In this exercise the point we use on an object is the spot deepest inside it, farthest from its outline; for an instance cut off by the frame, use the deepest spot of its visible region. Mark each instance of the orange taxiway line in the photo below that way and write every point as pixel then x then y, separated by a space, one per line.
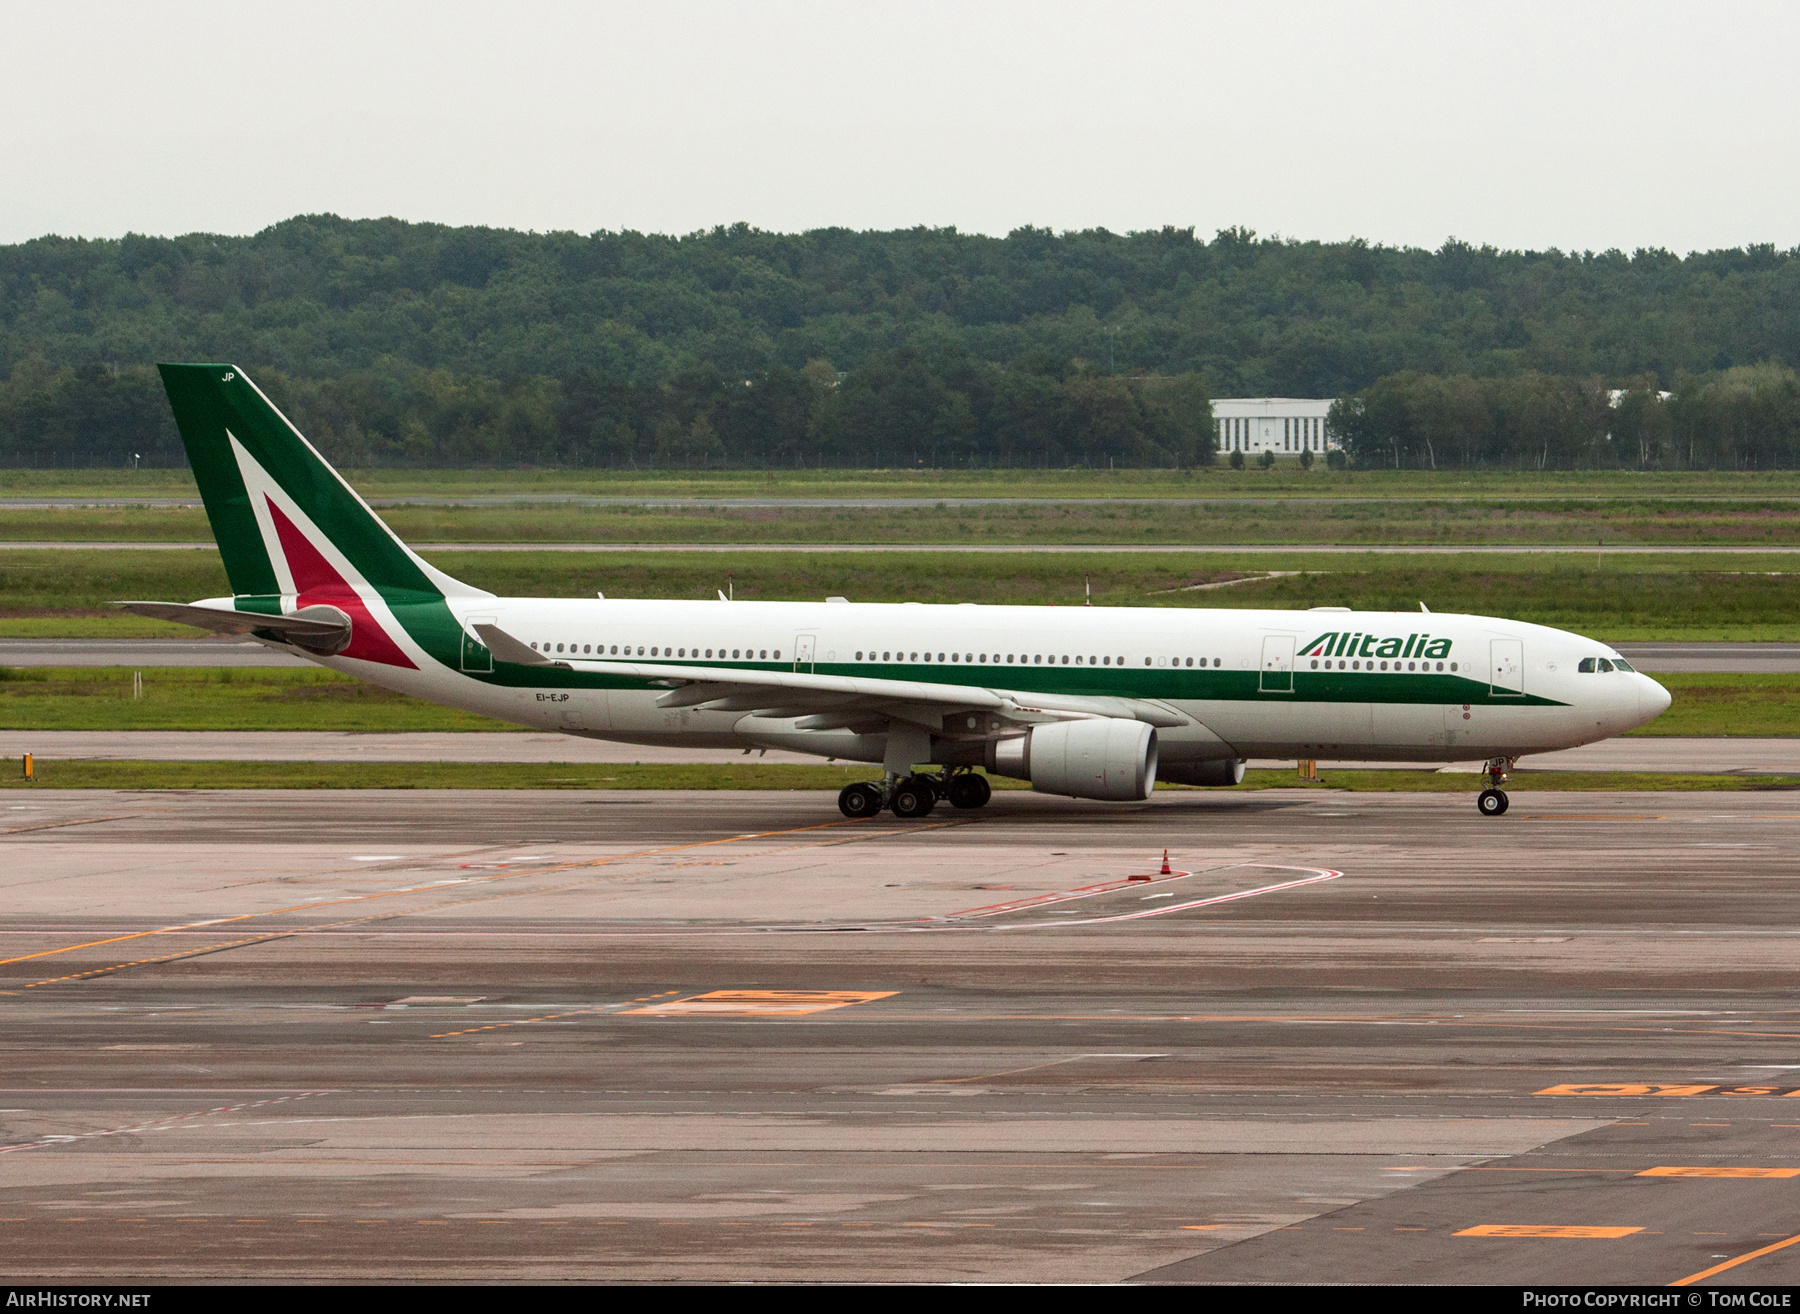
pixel 418 889
pixel 1733 1263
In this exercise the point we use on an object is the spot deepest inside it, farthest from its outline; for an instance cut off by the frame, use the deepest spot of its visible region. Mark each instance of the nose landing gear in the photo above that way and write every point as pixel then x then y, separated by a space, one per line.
pixel 1492 801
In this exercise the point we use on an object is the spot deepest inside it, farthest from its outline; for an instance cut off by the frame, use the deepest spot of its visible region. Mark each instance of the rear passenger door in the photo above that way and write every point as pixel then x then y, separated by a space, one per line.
pixel 476 659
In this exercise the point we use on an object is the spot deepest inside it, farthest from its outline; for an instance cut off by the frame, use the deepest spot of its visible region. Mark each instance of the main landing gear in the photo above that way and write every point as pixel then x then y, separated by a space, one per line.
pixel 911 797
pixel 859 800
pixel 1493 801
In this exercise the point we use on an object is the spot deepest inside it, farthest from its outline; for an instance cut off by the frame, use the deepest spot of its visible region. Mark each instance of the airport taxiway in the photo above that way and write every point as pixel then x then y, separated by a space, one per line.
pixel 517 1035
pixel 1686 756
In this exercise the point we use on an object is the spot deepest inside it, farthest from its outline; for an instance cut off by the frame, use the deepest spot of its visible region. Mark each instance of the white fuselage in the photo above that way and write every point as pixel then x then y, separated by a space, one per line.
pixel 1250 683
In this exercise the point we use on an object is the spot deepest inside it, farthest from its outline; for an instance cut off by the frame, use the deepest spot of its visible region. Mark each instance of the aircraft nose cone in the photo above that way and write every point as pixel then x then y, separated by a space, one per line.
pixel 1653 699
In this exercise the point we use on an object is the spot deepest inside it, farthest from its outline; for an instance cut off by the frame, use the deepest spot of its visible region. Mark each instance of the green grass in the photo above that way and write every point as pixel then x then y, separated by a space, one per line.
pixel 1653 520
pixel 1285 479
pixel 1437 782
pixel 277 698
pixel 214 698
pixel 99 625
pixel 465 775
pixel 1709 705
pixel 1655 596
pixel 434 775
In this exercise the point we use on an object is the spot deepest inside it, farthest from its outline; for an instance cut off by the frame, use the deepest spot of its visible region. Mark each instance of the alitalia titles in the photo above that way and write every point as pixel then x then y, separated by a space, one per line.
pixel 1338 643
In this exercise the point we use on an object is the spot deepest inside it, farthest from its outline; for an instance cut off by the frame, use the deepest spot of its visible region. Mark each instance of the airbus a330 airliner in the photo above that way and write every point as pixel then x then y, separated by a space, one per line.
pixel 1087 702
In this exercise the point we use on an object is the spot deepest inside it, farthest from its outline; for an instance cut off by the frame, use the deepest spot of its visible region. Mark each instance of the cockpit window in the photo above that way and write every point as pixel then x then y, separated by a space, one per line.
pixel 1605 665
pixel 1620 664
pixel 1587 666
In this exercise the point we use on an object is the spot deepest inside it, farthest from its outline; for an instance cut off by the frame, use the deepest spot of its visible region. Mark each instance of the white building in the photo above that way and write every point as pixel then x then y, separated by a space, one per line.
pixel 1283 425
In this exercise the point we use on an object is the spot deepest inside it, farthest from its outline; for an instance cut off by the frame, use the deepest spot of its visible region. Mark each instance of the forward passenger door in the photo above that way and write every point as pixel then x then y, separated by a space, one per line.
pixel 1277 664
pixel 1507 660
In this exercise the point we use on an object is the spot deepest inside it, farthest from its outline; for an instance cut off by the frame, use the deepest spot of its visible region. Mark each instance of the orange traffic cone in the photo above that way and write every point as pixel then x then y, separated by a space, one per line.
pixel 1165 871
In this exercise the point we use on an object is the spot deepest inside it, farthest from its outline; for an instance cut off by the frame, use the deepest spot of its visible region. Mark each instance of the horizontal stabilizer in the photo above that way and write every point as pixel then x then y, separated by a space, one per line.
pixel 317 629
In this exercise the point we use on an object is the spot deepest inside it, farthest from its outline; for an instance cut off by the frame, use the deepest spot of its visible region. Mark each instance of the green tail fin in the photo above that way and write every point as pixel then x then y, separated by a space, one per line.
pixel 286 522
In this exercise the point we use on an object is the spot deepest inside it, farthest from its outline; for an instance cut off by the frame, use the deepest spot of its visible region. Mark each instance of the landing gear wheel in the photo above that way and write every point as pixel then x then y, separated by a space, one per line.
pixel 1492 802
pixel 913 798
pixel 859 800
pixel 969 791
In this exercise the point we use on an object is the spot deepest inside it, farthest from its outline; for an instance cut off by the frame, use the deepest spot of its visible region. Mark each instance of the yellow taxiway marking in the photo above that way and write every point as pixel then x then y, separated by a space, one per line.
pixel 1733 1263
pixel 424 889
pixel 1719 1172
pixel 420 889
pixel 53 825
pixel 1509 1168
pixel 1547 1230
pixel 1593 816
pixel 598 1009
pixel 1632 1089
pixel 1010 1072
pixel 758 1003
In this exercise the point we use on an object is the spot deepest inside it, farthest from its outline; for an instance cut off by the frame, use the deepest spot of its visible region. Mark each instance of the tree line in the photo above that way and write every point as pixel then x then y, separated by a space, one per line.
pixel 899 409
pixel 1743 418
pixel 427 344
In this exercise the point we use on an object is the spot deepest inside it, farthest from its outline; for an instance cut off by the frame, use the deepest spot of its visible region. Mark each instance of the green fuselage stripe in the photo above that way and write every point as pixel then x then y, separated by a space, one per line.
pixel 1165 683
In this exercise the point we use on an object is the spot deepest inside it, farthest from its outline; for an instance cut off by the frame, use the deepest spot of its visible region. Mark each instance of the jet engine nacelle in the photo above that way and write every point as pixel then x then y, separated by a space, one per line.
pixel 1219 771
pixel 1106 758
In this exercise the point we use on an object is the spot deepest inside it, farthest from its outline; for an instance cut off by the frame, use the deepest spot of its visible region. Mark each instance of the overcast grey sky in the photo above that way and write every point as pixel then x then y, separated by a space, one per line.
pixel 1519 124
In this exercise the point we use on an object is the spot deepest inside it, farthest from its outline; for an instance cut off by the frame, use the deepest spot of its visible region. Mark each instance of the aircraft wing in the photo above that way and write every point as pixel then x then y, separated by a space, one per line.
pixel 862 703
